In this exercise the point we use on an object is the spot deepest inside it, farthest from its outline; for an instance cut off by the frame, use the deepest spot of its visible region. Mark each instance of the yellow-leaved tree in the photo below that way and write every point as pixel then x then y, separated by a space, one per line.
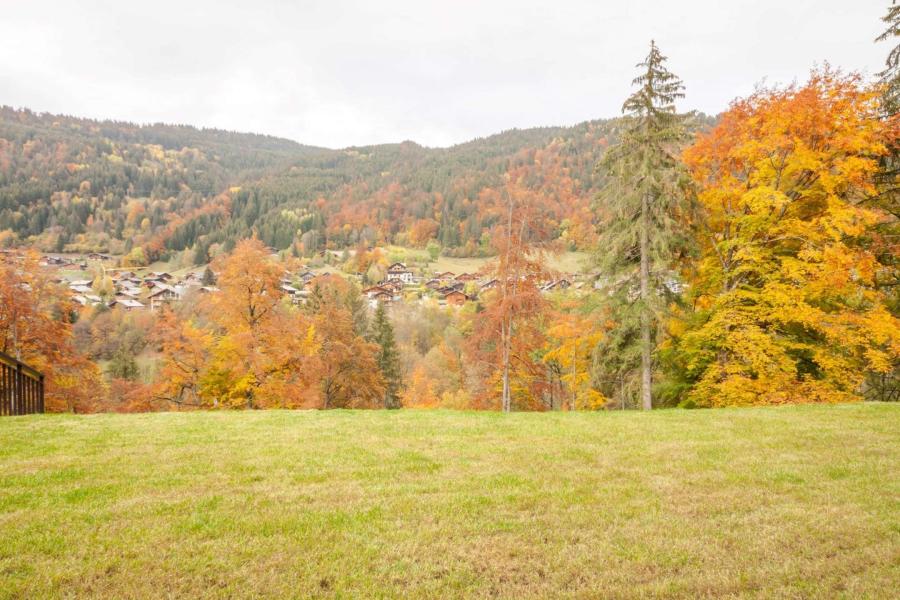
pixel 248 347
pixel 570 343
pixel 784 296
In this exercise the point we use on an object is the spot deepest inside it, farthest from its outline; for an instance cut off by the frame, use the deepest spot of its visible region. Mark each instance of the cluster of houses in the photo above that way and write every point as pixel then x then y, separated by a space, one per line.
pixel 74 262
pixel 150 291
pixel 449 288
pixel 139 292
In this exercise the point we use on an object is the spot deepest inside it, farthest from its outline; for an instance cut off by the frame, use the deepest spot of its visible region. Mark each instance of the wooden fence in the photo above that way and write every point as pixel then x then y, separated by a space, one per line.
pixel 21 388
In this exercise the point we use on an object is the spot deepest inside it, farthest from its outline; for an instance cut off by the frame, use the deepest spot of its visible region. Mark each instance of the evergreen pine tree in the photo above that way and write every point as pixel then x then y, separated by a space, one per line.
pixel 209 278
pixel 887 386
pixel 388 356
pixel 891 74
pixel 123 365
pixel 643 197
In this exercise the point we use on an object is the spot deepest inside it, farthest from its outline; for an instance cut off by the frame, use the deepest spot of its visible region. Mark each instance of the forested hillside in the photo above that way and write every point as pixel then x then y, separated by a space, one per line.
pixel 79 185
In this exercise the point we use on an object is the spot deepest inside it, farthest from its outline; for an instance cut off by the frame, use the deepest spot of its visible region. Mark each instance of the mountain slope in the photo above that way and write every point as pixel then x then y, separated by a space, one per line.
pixel 69 184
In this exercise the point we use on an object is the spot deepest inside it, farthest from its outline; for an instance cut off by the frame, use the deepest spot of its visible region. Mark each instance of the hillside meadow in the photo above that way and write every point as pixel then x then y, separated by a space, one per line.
pixel 767 502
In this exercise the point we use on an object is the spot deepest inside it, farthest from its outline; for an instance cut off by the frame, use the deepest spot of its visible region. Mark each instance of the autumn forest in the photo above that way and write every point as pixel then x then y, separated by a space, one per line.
pixel 658 259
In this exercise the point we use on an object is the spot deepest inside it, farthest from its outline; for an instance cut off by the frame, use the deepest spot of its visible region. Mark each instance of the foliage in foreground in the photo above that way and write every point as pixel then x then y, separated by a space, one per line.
pixel 786 302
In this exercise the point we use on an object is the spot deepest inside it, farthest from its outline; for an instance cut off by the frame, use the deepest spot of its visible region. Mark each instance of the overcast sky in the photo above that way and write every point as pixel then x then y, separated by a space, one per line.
pixel 338 72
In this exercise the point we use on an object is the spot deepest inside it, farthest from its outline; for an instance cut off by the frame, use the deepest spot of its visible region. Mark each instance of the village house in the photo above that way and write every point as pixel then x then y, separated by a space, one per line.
pixel 396 285
pixel 380 296
pixel 375 290
pixel 455 298
pixel 127 304
pixel 489 285
pixel 161 294
pixel 291 292
pixel 455 286
pixel 558 284
pixel 399 272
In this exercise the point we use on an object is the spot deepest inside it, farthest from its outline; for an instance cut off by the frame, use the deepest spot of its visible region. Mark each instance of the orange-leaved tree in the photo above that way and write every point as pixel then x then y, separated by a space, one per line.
pixel 785 303
pixel 507 332
pixel 249 348
pixel 36 327
pixel 348 375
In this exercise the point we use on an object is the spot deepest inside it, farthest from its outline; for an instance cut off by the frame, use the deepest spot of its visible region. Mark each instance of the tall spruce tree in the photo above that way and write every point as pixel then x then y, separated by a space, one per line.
pixel 891 74
pixel 209 278
pixel 388 356
pixel 643 197
pixel 886 386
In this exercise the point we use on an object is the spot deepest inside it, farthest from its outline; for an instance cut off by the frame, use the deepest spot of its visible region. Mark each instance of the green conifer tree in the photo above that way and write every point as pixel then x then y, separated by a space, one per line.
pixel 209 278
pixel 388 356
pixel 643 197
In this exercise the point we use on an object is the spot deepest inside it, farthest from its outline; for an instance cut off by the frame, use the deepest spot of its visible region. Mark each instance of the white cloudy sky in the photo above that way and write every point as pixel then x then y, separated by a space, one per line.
pixel 343 72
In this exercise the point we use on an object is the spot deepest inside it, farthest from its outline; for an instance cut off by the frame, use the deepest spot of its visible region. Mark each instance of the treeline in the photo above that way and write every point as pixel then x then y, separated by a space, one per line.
pixel 71 184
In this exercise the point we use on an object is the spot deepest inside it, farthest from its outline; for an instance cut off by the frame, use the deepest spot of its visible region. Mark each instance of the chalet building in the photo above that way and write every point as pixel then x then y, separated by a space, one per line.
pixel 291 292
pixel 127 304
pixel 399 272
pixel 87 299
pixel 445 276
pixel 433 284
pixel 465 277
pixel 455 286
pixel 375 290
pixel 455 298
pixel 489 285
pixel 395 285
pixel 559 284
pixel 162 294
pixel 382 297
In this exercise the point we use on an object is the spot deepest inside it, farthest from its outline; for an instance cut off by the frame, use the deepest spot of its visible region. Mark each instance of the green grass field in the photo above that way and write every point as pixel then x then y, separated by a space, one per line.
pixel 791 502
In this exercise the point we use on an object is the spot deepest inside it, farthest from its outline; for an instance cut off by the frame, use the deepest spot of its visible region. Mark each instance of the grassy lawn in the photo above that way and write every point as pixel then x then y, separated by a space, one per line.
pixel 790 502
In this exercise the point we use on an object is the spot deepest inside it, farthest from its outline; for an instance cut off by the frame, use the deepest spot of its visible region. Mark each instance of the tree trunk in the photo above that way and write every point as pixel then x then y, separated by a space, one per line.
pixel 505 338
pixel 574 376
pixel 646 341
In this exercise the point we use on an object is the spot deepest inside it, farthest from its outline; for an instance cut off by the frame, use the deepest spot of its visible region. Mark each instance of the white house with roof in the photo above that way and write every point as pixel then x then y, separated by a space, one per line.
pixel 399 272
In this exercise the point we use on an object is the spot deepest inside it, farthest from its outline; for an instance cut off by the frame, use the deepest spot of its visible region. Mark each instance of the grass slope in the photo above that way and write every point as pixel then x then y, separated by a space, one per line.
pixel 788 502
